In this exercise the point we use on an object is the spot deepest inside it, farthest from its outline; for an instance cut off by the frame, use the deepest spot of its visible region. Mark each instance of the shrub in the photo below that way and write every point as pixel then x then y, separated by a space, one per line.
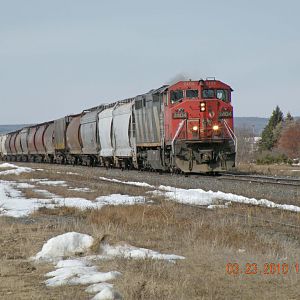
pixel 267 158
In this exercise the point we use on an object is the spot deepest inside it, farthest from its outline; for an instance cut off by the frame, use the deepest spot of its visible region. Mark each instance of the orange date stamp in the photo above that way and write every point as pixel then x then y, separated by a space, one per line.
pixel 263 269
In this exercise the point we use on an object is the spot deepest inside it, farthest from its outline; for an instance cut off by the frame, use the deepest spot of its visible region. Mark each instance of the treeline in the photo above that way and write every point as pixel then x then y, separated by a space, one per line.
pixel 279 141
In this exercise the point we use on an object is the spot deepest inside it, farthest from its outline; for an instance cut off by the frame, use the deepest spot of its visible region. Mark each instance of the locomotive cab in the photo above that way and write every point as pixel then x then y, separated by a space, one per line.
pixel 199 125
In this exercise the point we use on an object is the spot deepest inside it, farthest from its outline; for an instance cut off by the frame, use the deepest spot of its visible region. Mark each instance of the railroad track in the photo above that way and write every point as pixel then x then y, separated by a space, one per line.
pixel 261 179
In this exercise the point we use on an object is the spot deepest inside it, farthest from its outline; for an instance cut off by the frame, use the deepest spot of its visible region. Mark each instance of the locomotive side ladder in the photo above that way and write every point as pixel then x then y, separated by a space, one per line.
pixel 231 134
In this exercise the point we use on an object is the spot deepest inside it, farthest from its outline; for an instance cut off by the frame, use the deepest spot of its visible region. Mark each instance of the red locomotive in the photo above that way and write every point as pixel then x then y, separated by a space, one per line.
pixel 199 125
pixel 185 127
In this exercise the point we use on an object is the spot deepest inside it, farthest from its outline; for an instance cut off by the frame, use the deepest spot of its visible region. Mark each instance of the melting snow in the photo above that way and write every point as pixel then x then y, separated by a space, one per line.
pixel 135 183
pixel 53 182
pixel 45 193
pixel 98 287
pixel 107 293
pixel 80 270
pixel 201 197
pixel 72 173
pixel 7 165
pixel 23 185
pixel 129 251
pixel 72 243
pixel 45 181
pixel 37 179
pixel 76 271
pixel 204 198
pixel 67 244
pixel 14 204
pixel 212 206
pixel 117 199
pixel 80 189
pixel 16 170
pixel 89 276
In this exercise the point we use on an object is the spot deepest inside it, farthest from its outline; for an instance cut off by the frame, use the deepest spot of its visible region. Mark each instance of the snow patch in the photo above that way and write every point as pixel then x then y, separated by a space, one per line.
pixel 87 190
pixel 37 179
pixel 24 185
pixel 14 204
pixel 94 277
pixel 45 193
pixel 108 293
pixel 67 244
pixel 81 203
pixel 201 197
pixel 131 252
pixel 212 206
pixel 68 263
pixel 75 274
pixel 118 199
pixel 135 183
pixel 72 173
pixel 75 271
pixel 204 198
pixel 53 182
pixel 16 170
pixel 8 165
pixel 98 287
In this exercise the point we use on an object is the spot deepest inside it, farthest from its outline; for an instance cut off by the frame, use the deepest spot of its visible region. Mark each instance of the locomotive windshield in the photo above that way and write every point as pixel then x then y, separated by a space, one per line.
pixel 222 95
pixel 219 94
pixel 191 93
pixel 176 96
pixel 208 94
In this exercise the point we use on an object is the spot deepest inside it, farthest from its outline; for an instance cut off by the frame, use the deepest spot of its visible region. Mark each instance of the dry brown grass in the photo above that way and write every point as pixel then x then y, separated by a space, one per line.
pixel 6 169
pixel 61 211
pixel 19 278
pixel 209 239
pixel 283 170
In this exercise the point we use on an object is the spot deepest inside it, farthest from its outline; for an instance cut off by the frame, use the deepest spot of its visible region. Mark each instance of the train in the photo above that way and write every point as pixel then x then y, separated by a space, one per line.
pixel 184 127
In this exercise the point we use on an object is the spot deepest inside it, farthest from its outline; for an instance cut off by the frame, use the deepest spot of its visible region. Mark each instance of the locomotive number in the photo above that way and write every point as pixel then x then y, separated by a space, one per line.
pixel 180 115
pixel 225 114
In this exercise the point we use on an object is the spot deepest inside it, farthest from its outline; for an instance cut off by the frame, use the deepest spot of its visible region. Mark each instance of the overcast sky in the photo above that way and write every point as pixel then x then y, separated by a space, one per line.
pixel 59 57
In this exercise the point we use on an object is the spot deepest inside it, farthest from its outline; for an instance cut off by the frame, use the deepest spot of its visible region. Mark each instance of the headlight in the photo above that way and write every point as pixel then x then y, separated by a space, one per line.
pixel 195 128
pixel 215 127
pixel 202 106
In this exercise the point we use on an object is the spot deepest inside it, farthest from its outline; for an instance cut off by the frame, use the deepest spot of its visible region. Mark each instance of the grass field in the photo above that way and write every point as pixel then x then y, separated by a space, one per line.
pixel 209 239
pixel 274 170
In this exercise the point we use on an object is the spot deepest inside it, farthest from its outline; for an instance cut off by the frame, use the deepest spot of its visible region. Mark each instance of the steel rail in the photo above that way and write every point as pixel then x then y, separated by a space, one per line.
pixel 261 179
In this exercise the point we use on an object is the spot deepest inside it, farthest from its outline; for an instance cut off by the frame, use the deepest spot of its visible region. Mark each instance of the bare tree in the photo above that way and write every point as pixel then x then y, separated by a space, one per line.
pixel 289 141
pixel 246 144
